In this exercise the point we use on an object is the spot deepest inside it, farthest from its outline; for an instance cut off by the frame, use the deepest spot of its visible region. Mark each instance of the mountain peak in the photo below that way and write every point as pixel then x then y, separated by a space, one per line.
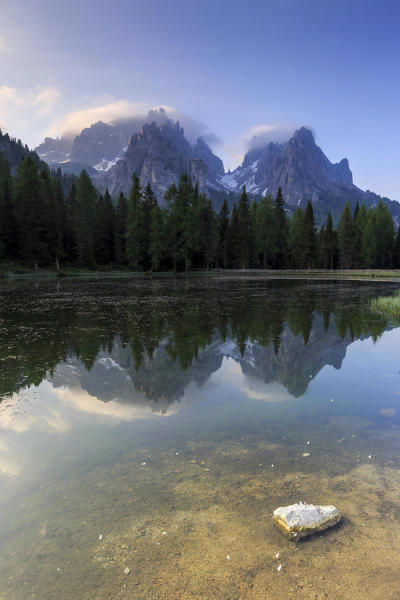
pixel 304 136
pixel 298 166
pixel 160 153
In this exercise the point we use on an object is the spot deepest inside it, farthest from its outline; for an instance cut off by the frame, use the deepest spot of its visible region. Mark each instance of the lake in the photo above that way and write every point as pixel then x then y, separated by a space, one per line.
pixel 149 428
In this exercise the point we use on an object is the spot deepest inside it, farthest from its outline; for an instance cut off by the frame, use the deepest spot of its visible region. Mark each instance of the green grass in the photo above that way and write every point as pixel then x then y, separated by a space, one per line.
pixel 388 305
pixel 13 270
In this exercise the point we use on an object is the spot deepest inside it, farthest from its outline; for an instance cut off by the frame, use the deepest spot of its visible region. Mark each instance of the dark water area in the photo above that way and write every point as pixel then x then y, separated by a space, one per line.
pixel 154 426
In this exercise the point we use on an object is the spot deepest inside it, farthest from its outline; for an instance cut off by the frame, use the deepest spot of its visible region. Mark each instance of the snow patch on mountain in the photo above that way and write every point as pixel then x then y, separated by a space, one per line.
pixel 105 165
pixel 229 182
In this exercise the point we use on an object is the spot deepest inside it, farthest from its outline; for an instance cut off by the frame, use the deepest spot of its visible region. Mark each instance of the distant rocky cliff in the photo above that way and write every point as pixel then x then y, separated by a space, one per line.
pixel 299 167
pixel 156 148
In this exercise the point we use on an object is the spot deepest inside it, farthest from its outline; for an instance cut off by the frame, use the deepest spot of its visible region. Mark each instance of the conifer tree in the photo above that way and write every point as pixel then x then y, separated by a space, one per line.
pixel 223 229
pixel 320 248
pixel 329 245
pixel 149 201
pixel 134 250
pixel 194 232
pixel 295 239
pixel 266 232
pixel 61 224
pixel 309 239
pixel 30 213
pixel 179 200
pixel 52 199
pixel 357 232
pixel 281 232
pixel 84 220
pixel 157 238
pixel 345 233
pixel 233 240
pixel 104 230
pixel 360 219
pixel 8 223
pixel 121 215
pixel 244 231
pixel 255 228
pixel 209 236
pixel 396 257
pixel 384 236
pixel 70 243
pixel 368 242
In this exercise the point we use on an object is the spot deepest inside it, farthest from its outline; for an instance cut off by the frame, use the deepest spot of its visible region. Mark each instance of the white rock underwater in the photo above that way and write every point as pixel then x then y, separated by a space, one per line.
pixel 301 520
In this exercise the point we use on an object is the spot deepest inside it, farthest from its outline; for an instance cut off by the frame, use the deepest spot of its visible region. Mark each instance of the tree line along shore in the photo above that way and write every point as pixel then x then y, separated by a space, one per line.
pixel 42 226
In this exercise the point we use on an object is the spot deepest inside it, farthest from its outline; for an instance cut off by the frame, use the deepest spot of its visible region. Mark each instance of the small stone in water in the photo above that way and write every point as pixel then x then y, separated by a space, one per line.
pixel 279 568
pixel 369 456
pixel 272 466
pixel 305 454
pixel 164 533
pixel 228 556
pixel 300 520
pixel 127 570
pixel 100 537
pixel 277 555
pixel 143 464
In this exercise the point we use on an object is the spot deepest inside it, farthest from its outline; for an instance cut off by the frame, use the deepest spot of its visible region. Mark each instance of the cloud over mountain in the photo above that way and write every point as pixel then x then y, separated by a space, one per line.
pixel 111 109
pixel 261 135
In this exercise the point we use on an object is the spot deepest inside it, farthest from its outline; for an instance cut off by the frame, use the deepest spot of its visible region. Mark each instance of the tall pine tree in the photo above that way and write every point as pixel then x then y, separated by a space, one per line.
pixel 121 215
pixel 281 244
pixel 84 220
pixel 345 233
pixel 134 249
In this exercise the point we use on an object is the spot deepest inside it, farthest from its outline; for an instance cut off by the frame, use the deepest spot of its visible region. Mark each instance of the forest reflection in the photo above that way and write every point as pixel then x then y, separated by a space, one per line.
pixel 160 322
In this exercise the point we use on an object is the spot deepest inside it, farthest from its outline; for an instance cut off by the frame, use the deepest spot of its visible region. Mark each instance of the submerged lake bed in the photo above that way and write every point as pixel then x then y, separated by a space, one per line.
pixel 149 429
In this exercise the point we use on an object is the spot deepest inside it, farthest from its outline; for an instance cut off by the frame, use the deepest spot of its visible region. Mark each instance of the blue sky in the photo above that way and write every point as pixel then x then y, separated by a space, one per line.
pixel 333 65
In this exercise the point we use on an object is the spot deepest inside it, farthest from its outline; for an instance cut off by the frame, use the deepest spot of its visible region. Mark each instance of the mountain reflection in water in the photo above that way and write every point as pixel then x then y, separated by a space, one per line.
pixel 144 342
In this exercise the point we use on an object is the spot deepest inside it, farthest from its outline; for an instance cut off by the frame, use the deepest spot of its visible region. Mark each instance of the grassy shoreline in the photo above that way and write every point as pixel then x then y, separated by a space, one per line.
pixel 20 272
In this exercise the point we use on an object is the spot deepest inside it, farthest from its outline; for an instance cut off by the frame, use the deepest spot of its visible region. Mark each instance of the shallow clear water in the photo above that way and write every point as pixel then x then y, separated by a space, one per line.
pixel 155 426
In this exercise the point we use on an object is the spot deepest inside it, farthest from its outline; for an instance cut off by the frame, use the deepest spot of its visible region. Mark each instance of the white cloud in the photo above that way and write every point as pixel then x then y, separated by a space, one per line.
pixel 261 135
pixel 31 114
pixel 73 122
pixel 21 108
pixel 45 99
pixel 34 113
pixel 256 137
pixel 108 109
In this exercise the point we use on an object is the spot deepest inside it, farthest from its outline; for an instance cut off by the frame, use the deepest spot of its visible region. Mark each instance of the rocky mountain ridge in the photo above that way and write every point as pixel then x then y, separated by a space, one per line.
pixel 157 149
pixel 304 173
pixel 299 167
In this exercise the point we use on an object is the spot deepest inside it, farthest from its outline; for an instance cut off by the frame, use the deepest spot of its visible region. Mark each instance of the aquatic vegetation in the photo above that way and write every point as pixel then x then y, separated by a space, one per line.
pixel 387 305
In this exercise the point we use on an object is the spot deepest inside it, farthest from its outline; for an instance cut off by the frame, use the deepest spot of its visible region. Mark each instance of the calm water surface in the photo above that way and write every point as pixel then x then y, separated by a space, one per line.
pixel 155 425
